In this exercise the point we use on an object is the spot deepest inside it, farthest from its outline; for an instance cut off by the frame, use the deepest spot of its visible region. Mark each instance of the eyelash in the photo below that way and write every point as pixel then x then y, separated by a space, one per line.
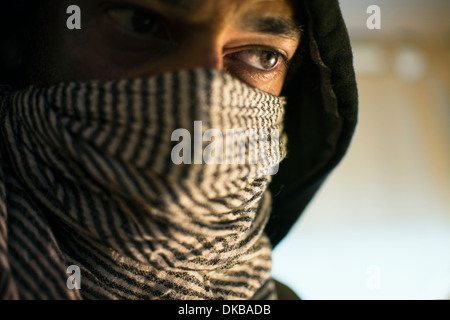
pixel 114 8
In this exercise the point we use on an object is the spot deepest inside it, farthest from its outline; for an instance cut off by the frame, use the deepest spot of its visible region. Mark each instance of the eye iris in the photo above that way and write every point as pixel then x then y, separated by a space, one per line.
pixel 269 60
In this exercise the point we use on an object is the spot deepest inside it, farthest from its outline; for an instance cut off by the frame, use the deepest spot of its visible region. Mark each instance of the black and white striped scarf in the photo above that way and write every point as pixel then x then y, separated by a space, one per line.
pixel 87 178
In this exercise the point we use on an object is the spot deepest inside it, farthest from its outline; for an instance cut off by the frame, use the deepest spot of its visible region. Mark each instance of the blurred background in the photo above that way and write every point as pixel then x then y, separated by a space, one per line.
pixel 380 226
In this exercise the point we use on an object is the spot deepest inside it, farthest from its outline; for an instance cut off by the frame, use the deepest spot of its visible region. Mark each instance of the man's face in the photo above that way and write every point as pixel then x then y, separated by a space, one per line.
pixel 253 40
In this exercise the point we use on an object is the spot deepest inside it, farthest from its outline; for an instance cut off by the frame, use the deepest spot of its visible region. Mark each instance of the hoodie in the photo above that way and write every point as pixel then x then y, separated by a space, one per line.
pixel 186 233
pixel 321 113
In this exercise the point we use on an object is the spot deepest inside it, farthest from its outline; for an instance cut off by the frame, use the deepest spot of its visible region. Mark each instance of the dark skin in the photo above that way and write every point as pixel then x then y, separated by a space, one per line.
pixel 253 40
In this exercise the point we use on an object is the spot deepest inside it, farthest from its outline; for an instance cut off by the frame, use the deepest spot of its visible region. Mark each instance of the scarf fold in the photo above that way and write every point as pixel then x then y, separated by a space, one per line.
pixel 138 184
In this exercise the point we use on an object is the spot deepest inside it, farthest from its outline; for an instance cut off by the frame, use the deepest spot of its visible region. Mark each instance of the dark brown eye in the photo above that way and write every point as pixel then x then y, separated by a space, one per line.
pixel 139 22
pixel 142 22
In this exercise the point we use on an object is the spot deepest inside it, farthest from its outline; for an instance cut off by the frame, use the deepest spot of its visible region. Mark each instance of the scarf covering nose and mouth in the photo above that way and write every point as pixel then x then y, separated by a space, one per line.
pixel 88 180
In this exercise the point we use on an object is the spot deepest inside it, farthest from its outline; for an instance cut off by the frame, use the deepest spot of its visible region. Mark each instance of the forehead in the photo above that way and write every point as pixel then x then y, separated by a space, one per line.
pixel 262 16
pixel 237 9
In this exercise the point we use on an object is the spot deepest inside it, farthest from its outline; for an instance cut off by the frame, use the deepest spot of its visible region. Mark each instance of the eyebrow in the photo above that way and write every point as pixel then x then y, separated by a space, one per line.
pixel 278 26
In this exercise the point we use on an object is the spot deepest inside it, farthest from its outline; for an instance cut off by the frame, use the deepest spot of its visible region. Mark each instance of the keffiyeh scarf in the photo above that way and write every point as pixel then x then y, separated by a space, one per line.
pixel 90 176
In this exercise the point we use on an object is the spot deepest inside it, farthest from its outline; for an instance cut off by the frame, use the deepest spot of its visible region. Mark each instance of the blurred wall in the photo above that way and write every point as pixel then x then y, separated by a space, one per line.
pixel 380 226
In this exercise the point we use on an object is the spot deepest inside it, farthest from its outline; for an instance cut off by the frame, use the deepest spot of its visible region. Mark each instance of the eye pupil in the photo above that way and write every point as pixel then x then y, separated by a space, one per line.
pixel 142 22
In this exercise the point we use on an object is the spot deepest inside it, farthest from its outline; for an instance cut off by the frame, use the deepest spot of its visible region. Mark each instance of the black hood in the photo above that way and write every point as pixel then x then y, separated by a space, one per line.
pixel 321 113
